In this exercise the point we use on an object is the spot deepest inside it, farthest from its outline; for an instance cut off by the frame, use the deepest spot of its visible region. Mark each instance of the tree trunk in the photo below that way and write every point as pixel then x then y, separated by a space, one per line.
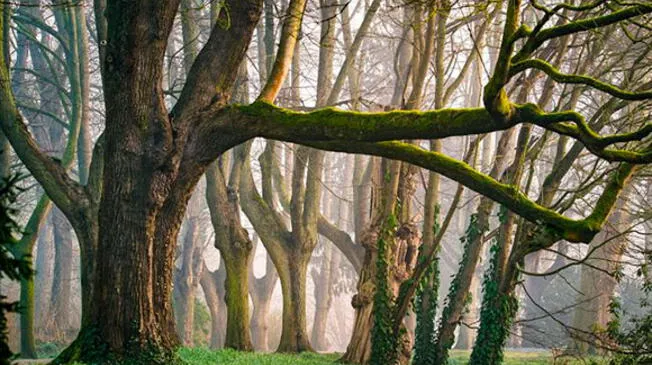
pixel 323 300
pixel 186 283
pixel 43 279
pixel 598 284
pixel 499 306
pixel 259 323
pixel 461 283
pixel 62 277
pixel 213 285
pixel 359 349
pixel 27 343
pixel 261 290
pixel 294 337
pixel 236 287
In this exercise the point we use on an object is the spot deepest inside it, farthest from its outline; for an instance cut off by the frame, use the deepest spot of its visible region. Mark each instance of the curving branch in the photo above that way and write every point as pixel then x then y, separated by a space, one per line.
pixel 582 230
pixel 53 176
pixel 558 76
pixel 342 240
pixel 535 39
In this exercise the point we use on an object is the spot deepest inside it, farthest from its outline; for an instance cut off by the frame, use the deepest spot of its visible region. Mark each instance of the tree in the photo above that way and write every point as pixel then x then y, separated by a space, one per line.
pixel 13 268
pixel 155 156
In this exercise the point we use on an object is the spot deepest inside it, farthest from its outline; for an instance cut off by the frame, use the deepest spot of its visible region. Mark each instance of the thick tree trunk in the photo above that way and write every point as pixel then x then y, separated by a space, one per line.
pixel 236 288
pixel 293 275
pixel 359 349
pixel 237 252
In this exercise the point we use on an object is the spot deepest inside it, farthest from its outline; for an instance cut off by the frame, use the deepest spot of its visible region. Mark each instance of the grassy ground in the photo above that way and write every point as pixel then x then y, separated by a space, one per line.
pixel 207 357
pixel 201 356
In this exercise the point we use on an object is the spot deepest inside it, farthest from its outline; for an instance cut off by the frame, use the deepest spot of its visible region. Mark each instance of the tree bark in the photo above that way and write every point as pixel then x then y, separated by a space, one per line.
pixel 261 290
pixel 62 277
pixel 212 284
pixel 597 283
pixel 293 275
pixel 187 278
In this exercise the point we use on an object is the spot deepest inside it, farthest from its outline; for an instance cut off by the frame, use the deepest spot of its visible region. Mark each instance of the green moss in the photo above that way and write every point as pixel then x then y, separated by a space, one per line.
pixel 90 348
pixel 274 122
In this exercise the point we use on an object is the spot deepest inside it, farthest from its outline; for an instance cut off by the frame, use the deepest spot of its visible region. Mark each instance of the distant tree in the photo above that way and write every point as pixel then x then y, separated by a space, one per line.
pixel 11 267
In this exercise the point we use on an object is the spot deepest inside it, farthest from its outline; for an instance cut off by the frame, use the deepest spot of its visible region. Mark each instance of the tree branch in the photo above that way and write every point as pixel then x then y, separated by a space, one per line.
pixel 558 76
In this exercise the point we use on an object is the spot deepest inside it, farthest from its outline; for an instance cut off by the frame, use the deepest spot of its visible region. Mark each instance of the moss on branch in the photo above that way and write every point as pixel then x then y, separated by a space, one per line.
pixel 267 120
pixel 582 230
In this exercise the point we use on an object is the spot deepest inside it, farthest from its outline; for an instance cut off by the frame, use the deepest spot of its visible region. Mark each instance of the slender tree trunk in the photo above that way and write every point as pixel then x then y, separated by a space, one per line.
pixel 43 279
pixel 213 285
pixel 597 285
pixel 186 283
pixel 261 290
pixel 27 342
pixel 260 323
pixel 323 300
pixel 62 277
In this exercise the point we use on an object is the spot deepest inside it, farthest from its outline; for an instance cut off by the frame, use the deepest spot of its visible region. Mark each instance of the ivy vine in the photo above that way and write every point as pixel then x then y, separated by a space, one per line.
pixel 384 344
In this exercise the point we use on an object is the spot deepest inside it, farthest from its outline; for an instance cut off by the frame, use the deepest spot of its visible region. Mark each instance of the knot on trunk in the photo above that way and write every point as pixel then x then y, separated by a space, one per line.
pixel 364 296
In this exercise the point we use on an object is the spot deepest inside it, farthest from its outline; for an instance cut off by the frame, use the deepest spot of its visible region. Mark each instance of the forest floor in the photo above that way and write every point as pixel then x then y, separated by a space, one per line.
pixel 202 356
pixel 206 357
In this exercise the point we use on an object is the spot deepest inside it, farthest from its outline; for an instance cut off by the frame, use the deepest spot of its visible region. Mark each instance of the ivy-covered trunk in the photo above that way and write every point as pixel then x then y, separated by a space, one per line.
pixel 499 307
pixel 459 289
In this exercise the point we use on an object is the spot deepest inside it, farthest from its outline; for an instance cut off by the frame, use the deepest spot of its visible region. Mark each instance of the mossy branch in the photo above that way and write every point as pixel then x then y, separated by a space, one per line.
pixel 269 121
pixel 582 230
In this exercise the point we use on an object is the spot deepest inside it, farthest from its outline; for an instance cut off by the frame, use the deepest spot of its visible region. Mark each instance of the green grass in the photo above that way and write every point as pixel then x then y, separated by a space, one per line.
pixel 203 356
pixel 459 357
pixel 197 356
